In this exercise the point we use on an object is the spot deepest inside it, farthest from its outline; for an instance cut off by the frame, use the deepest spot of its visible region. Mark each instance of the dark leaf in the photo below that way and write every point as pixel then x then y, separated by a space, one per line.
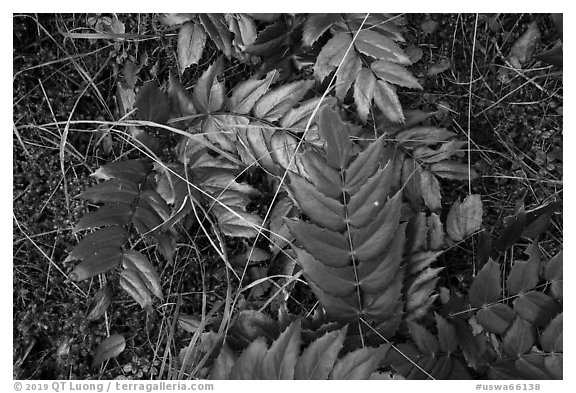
pixel 425 340
pixel 109 348
pixel 98 263
pixel 316 25
pixel 152 104
pixel 110 214
pixel 249 363
pixel 100 303
pixel 513 231
pixel 115 191
pixel 496 318
pixel 552 339
pixel 329 247
pixel 336 135
pixel 536 307
pixel 485 288
pixel 453 170
pixel 519 339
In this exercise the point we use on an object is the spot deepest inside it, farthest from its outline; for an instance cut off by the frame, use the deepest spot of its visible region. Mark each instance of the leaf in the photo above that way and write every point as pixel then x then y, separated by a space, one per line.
pixel 485 288
pixel 272 40
pixel 98 263
pixel 152 104
pixel 215 26
pixel 522 277
pixel 337 282
pixel 92 244
pixel 453 170
pixel 513 230
pixel 316 25
pixel 554 366
pixel 330 247
pixel 132 170
pixel 326 179
pixel 281 358
pixel 536 307
pixel 297 118
pixel 111 191
pixel 247 93
pixel 519 339
pixel 364 166
pixel 346 74
pixel 370 197
pixel 319 357
pixel 359 364
pixel 188 323
pixel 417 136
pixel 182 103
pixel 249 363
pixel 446 335
pixel 523 48
pixel 374 238
pixel 380 47
pixel 223 364
pixel 239 223
pixel 336 135
pixel 111 214
pixel 275 103
pixel 553 272
pixel 325 211
pixel 100 303
pixel 131 282
pixel 531 366
pixel 134 260
pixel 364 93
pixel 244 29
pixel 430 191
pixel 435 232
pixel 394 73
pixel 425 341
pixel 464 218
pixel 388 102
pixel 207 95
pixel 552 338
pixel 191 41
pixel 331 55
pixel 109 348
pixel 496 318
pixel 175 18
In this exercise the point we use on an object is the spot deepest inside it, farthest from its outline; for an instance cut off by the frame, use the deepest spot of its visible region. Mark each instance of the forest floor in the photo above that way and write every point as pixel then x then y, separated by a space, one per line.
pixel 514 118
